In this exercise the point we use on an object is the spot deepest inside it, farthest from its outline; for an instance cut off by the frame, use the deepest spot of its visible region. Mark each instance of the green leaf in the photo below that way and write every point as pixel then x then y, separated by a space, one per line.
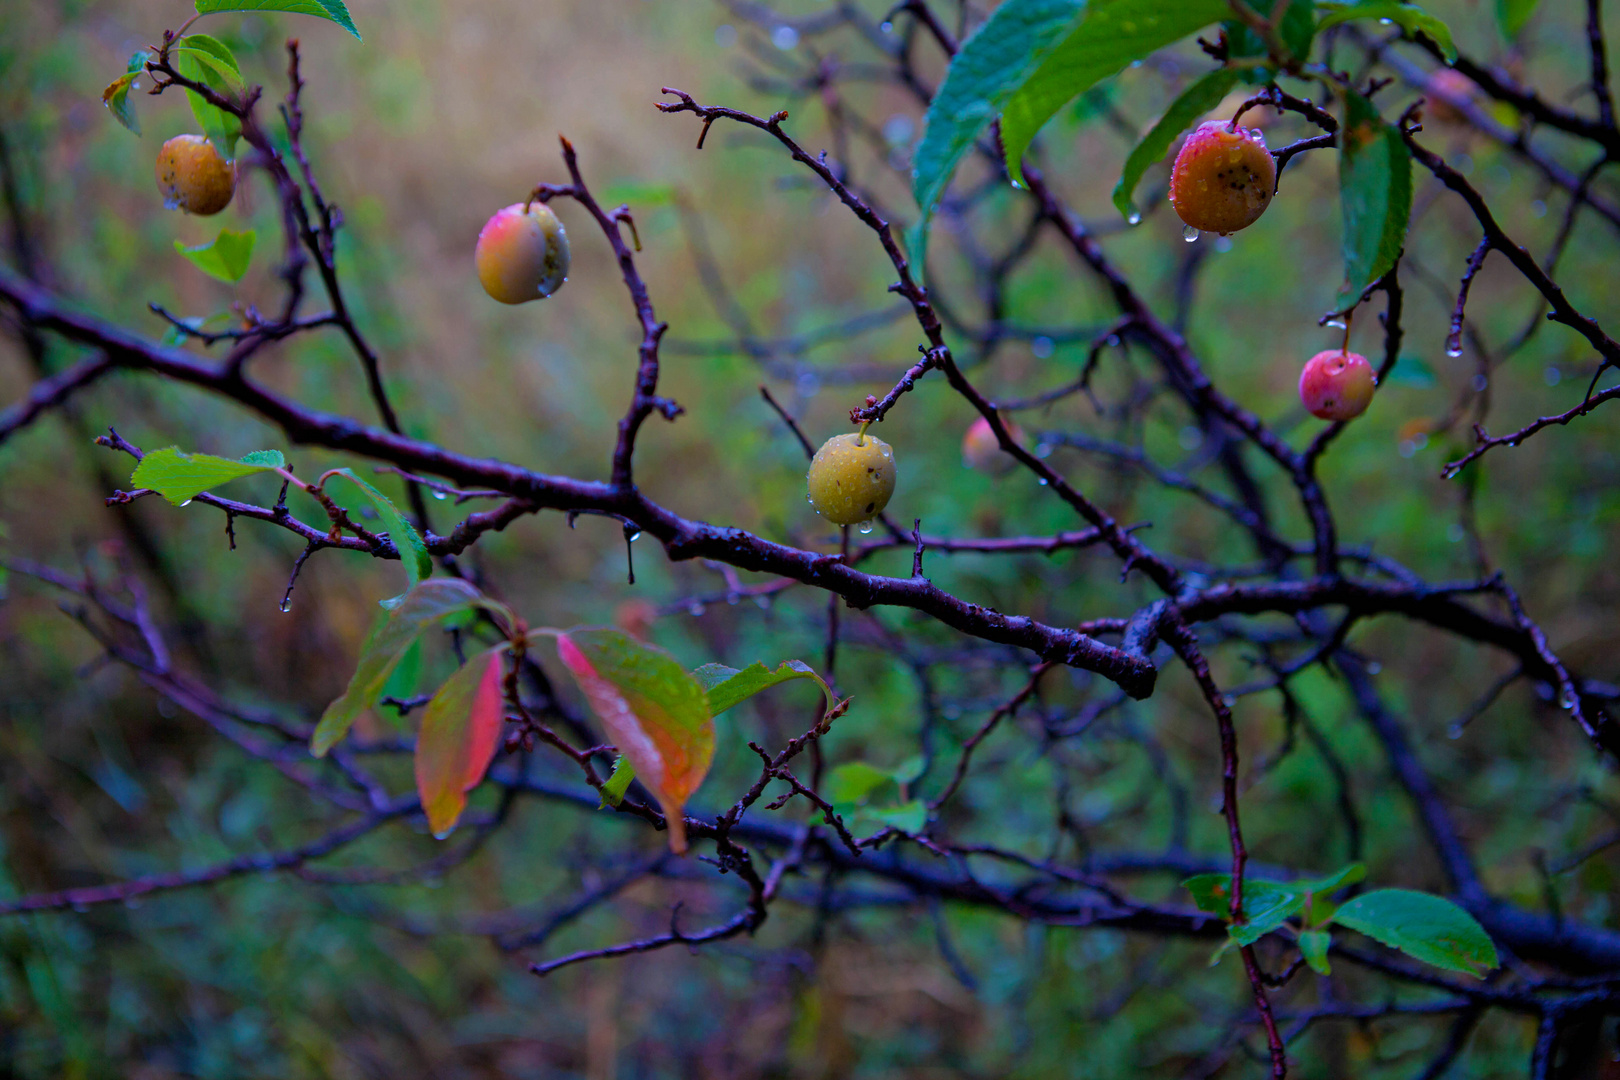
pixel 655 713
pixel 325 9
pixel 728 687
pixel 1194 102
pixel 1427 927
pixel 221 128
pixel 116 96
pixel 1266 904
pixel 987 70
pixel 1328 883
pixel 461 730
pixel 852 783
pixel 1297 32
pixel 407 673
pixel 1313 945
pixel 1111 35
pixel 226 258
pixel 412 551
pixel 181 477
pixel 213 54
pixel 618 782
pixel 1511 15
pixel 1375 194
pixel 1409 17
pixel 908 817
pixel 421 607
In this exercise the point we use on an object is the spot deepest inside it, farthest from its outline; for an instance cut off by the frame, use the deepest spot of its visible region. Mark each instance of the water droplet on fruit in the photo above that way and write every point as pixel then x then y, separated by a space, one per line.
pixel 1189 234
pixel 866 527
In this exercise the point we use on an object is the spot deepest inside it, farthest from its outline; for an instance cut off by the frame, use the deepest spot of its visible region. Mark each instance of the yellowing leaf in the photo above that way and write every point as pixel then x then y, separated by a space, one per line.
pixel 655 713
pixel 461 730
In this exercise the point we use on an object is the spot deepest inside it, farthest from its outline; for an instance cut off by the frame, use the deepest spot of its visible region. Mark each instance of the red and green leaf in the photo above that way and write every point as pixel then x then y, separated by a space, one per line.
pixel 653 710
pixel 461 730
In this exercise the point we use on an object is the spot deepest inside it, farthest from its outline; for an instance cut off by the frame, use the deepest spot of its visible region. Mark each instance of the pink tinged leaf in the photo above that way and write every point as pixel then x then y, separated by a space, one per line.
pixel 655 713
pixel 461 730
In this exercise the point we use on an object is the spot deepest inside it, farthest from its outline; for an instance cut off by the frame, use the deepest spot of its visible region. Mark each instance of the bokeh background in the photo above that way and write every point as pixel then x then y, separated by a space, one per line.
pixel 448 111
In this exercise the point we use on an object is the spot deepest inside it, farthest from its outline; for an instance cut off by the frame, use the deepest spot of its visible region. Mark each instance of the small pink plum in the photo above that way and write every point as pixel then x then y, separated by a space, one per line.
pixel 1337 384
pixel 522 253
pixel 193 176
pixel 1445 90
pixel 1223 179
pixel 982 451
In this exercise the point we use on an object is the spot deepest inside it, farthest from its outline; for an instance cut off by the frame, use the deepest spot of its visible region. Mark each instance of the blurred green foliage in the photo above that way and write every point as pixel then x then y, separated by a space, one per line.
pixel 448 111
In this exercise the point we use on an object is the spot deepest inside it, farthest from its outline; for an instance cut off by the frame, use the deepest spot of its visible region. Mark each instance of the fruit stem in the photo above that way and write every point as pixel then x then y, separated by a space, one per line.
pixel 860 436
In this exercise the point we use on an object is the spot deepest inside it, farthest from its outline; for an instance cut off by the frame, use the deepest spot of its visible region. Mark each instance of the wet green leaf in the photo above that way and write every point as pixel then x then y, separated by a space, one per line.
pixel 181 477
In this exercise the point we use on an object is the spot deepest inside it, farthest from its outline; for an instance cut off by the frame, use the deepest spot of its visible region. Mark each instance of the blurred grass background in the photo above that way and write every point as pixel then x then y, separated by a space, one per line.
pixel 449 111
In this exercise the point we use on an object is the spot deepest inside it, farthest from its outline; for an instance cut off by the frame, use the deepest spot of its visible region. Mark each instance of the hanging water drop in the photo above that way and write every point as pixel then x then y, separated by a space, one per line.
pixel 1567 699
pixel 1455 731
pixel 695 609
pixel 186 503
pixel 1336 323
pixel 633 536
pixel 286 605
pixel 1133 218
pixel 1043 481
pixel 1189 234
pixel 866 527
pixel 763 603
pixel 1453 348
pixel 441 496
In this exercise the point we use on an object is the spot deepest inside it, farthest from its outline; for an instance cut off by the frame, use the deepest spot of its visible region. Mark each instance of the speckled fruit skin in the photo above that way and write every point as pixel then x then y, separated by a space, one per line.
pixel 851 478
pixel 1222 180
pixel 1444 84
pixel 1337 385
pixel 193 176
pixel 522 255
pixel 981 450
